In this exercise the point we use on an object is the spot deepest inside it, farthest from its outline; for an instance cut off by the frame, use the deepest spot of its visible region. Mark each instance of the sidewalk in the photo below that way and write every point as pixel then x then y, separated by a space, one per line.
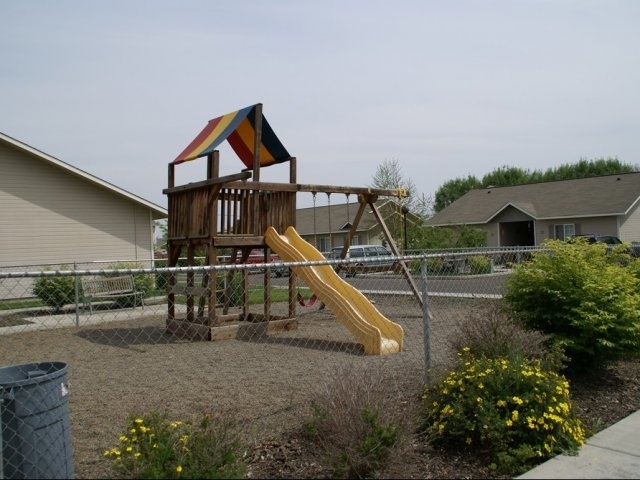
pixel 612 453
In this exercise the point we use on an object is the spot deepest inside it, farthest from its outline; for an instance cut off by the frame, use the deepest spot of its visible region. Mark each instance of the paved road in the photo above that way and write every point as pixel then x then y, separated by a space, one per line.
pixel 473 285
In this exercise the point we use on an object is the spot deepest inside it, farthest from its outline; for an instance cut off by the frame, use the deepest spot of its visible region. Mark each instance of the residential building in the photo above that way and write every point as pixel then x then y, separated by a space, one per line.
pixel 52 213
pixel 526 215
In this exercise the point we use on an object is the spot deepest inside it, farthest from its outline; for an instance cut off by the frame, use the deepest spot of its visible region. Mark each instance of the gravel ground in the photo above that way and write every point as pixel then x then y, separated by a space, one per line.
pixel 268 382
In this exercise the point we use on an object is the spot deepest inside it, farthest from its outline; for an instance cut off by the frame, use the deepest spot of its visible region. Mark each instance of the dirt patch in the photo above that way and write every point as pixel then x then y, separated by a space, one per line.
pixel 120 368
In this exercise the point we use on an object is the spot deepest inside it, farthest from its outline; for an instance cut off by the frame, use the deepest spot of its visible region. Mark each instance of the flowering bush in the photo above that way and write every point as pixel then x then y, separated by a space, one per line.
pixel 508 408
pixel 154 447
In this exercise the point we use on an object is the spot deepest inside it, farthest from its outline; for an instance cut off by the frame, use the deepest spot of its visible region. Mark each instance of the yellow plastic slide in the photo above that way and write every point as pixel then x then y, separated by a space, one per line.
pixel 375 332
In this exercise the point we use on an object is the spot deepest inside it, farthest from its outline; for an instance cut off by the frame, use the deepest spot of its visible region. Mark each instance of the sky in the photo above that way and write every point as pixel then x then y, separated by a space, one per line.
pixel 446 88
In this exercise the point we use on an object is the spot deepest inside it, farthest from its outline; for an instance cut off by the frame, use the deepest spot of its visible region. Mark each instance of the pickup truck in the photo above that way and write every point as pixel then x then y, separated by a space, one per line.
pixel 257 256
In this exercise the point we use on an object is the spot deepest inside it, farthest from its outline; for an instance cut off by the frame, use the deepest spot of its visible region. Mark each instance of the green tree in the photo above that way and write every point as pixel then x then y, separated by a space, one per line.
pixel 389 176
pixel 163 241
pixel 451 190
pixel 588 168
pixel 506 176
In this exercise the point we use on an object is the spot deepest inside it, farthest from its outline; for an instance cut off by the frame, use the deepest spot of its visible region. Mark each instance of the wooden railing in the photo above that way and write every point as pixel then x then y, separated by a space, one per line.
pixel 206 211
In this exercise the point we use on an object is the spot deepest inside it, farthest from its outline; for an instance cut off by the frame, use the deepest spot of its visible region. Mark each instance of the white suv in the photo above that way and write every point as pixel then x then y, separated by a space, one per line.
pixel 381 258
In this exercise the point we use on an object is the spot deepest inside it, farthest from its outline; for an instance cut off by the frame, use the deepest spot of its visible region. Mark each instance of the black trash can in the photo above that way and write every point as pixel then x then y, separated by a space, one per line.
pixel 35 428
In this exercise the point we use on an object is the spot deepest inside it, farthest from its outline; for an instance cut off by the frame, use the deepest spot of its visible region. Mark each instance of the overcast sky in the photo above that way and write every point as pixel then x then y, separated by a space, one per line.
pixel 446 88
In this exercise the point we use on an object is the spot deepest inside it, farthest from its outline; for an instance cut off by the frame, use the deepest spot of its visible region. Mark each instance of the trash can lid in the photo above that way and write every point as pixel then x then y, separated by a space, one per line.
pixel 28 373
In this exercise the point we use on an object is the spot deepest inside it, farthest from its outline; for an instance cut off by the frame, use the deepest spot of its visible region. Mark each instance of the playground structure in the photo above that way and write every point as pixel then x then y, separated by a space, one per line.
pixel 240 213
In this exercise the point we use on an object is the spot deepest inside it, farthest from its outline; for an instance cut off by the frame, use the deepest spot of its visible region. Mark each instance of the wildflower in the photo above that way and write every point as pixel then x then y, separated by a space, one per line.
pixel 139 421
pixel 501 403
pixel 468 440
pixel 179 468
pixel 509 423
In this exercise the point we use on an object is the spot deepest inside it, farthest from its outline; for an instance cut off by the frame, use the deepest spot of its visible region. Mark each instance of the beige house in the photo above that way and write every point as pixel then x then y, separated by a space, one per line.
pixel 54 213
pixel 326 227
pixel 530 214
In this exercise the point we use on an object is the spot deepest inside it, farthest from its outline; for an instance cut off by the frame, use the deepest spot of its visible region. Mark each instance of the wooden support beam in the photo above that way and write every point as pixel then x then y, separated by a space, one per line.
pixel 396 252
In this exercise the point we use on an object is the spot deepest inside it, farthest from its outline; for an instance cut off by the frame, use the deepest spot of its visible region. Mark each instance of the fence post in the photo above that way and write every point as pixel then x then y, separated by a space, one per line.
pixel 77 281
pixel 426 316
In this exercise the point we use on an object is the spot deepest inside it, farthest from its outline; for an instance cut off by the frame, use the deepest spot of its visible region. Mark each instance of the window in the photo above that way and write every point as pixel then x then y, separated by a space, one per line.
pixel 324 244
pixel 563 232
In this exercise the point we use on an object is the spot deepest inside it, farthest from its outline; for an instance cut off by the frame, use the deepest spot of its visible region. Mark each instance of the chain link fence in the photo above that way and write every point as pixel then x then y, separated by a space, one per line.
pixel 85 346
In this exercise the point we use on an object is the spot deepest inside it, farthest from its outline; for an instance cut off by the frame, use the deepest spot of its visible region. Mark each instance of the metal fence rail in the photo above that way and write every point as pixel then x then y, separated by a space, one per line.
pixel 118 360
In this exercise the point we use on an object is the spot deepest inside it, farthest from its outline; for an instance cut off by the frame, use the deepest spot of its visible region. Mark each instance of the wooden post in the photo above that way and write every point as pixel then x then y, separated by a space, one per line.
pixel 395 251
pixel 257 141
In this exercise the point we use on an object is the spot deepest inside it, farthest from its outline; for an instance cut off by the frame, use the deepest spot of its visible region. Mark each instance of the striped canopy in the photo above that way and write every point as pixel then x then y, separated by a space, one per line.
pixel 238 128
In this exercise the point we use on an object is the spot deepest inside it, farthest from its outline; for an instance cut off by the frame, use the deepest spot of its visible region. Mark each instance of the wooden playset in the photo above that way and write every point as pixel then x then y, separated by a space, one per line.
pixel 232 213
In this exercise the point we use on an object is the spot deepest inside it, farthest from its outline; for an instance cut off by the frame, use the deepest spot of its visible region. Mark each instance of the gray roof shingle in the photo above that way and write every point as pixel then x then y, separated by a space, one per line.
pixel 584 197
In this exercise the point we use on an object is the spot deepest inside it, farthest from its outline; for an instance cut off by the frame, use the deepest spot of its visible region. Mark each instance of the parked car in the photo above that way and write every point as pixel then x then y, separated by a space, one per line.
pixel 257 256
pixel 610 240
pixel 379 259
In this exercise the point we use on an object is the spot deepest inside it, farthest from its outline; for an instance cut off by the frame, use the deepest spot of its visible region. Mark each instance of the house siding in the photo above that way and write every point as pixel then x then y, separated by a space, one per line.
pixel 630 226
pixel 50 216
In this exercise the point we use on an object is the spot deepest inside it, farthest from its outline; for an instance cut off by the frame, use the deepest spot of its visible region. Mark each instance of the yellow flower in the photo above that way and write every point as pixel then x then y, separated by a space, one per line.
pixel 139 421
pixel 468 440
pixel 501 403
pixel 514 415
pixel 509 423
pixel 179 468
pixel 517 400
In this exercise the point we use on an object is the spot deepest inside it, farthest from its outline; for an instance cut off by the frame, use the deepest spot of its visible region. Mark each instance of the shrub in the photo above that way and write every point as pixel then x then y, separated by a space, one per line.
pixel 56 291
pixel 479 264
pixel 414 266
pixel 356 422
pixel 510 410
pixel 154 447
pixel 491 333
pixel 234 289
pixel 162 279
pixel 435 265
pixel 144 282
pixel 586 299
